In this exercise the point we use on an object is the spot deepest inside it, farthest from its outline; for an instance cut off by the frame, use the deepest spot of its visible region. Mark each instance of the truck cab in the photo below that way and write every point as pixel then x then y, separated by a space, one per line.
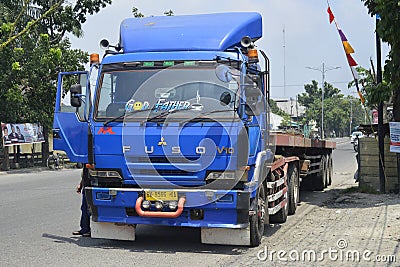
pixel 172 126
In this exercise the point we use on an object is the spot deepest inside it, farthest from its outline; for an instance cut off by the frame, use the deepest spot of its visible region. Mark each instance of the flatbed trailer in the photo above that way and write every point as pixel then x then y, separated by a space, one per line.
pixel 315 157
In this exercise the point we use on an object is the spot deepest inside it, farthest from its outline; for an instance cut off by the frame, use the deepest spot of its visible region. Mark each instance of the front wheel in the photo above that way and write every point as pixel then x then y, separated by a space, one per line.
pixel 51 163
pixel 60 162
pixel 258 220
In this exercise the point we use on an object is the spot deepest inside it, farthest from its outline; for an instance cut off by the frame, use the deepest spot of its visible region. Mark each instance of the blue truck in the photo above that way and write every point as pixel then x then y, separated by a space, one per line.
pixel 172 125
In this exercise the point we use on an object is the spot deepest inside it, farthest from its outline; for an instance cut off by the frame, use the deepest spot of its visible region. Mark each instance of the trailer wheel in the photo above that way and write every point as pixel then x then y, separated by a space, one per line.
pixel 326 171
pixel 330 170
pixel 319 180
pixel 293 188
pixel 257 221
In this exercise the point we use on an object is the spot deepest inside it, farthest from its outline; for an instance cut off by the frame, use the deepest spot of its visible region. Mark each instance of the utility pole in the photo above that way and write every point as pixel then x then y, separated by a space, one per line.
pixel 323 71
pixel 381 134
pixel 351 114
pixel 284 62
pixel 297 113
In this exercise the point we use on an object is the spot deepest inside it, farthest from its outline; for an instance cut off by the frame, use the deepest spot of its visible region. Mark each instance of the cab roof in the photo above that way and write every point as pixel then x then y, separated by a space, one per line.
pixel 204 32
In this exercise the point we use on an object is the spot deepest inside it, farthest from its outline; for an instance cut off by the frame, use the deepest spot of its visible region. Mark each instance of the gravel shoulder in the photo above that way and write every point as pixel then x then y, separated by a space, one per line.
pixel 336 227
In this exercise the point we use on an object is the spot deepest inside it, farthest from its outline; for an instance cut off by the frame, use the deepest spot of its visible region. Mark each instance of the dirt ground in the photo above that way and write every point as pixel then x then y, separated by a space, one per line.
pixel 337 227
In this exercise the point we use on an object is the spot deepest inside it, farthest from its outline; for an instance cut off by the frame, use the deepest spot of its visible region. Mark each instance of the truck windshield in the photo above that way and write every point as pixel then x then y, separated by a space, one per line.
pixel 192 89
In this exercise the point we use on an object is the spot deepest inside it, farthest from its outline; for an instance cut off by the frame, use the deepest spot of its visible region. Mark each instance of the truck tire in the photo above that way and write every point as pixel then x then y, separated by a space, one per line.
pixel 326 171
pixel 330 170
pixel 319 180
pixel 257 221
pixel 293 188
pixel 281 215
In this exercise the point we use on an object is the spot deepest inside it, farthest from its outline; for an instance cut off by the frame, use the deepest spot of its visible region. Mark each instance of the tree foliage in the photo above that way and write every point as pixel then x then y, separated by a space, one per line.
pixel 35 49
pixel 137 14
pixel 372 92
pixel 337 108
pixel 389 30
pixel 276 110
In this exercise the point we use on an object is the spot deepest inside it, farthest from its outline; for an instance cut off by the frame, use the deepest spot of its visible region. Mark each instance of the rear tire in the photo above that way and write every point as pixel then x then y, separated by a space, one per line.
pixel 319 180
pixel 257 221
pixel 280 216
pixel 293 188
pixel 330 170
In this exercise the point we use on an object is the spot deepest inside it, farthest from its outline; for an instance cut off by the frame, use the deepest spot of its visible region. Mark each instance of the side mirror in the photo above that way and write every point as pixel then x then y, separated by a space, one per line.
pixel 223 73
pixel 253 101
pixel 76 91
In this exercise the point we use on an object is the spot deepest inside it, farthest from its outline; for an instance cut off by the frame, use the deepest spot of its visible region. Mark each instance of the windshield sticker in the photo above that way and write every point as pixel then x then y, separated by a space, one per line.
pixel 164 92
pixel 162 104
pixel 133 105
pixel 197 106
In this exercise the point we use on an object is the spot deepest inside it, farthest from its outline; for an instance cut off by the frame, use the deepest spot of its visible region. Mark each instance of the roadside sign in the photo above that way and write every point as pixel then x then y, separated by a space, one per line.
pixel 394 137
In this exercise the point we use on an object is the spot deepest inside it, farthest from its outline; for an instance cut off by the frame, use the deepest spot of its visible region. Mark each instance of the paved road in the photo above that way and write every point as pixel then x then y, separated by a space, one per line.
pixel 39 210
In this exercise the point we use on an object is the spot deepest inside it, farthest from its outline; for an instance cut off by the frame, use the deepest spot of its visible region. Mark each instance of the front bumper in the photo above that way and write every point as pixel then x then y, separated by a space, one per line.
pixel 219 208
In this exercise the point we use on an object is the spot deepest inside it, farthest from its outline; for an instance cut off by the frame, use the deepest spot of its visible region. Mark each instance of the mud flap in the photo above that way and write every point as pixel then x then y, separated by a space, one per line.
pixel 113 231
pixel 224 236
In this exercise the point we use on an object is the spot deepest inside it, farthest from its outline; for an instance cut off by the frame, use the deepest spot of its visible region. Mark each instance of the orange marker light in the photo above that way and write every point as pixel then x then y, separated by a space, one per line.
pixel 89 166
pixel 94 59
pixel 253 55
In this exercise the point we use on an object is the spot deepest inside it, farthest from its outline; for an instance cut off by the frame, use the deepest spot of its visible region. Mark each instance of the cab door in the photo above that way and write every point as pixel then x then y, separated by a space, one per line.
pixel 70 126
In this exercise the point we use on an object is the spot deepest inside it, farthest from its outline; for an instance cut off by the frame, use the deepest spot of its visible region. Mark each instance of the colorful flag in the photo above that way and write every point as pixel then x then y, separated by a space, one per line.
pixel 348 49
pixel 350 59
pixel 346 45
pixel 342 36
pixel 331 16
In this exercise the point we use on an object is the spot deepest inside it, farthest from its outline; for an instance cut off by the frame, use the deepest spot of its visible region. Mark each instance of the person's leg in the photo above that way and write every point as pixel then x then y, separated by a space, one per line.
pixel 85 216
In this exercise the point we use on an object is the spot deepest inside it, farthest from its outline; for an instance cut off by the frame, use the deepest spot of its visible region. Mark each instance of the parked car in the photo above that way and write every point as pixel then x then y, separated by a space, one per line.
pixel 354 135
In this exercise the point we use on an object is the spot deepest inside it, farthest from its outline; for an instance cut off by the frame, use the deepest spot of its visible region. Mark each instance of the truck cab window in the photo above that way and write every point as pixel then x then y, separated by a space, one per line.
pixel 189 89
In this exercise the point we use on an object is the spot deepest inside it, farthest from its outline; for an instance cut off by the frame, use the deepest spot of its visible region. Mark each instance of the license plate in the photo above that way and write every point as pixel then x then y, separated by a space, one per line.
pixel 161 195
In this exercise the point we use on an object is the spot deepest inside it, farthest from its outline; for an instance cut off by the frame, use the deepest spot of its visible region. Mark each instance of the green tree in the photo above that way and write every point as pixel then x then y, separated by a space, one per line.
pixel 34 50
pixel 337 108
pixel 389 30
pixel 169 13
pixel 137 14
pixel 372 93
pixel 276 110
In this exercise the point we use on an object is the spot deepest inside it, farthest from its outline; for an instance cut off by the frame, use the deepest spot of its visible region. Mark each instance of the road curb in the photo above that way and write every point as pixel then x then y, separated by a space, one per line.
pixel 32 170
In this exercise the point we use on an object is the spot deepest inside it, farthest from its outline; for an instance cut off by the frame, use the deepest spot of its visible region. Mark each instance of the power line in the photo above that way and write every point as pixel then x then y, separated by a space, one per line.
pixel 292 85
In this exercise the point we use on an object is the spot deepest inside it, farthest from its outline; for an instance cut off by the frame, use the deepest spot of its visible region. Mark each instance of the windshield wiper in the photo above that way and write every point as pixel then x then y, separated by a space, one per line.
pixel 124 115
pixel 204 114
pixel 161 115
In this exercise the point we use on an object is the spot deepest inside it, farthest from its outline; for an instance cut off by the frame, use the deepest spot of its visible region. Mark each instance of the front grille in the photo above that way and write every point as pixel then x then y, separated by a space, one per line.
pixel 163 159
pixel 164 172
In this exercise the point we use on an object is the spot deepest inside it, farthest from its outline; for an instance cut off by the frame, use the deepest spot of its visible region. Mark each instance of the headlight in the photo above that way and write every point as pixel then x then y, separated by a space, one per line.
pixel 146 204
pixel 172 205
pixel 221 175
pixel 228 175
pixel 159 205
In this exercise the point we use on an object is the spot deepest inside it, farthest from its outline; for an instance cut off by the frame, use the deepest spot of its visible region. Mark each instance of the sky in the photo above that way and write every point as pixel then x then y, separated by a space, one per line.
pixel 296 35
